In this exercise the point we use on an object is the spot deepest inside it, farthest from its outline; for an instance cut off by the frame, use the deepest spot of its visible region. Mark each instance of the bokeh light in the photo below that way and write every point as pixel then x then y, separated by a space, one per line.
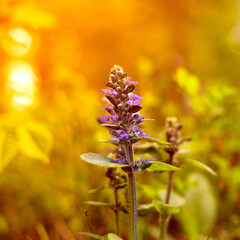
pixel 21 84
pixel 17 42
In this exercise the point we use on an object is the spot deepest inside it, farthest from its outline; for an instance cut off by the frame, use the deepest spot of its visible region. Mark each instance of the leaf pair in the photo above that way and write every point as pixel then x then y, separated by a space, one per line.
pixel 103 161
pixel 31 138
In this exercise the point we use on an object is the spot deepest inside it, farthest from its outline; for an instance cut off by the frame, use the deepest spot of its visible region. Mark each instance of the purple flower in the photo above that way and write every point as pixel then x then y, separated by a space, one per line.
pixel 143 160
pixel 138 118
pixel 108 91
pixel 114 117
pixel 140 133
pixel 124 120
pixel 122 135
pixel 128 81
pixel 120 160
pixel 134 99
pixel 104 119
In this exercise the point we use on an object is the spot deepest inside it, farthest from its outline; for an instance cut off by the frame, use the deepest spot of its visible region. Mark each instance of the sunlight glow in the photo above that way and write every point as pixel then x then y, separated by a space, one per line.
pixel 17 42
pixel 21 84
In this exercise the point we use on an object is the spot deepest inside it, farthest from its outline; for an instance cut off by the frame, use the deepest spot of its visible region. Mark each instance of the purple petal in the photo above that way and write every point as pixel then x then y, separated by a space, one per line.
pixel 108 91
pixel 107 108
pixel 104 119
pixel 120 160
pixel 122 135
pixel 134 82
pixel 114 117
pixel 128 81
pixel 140 133
pixel 143 160
pixel 134 99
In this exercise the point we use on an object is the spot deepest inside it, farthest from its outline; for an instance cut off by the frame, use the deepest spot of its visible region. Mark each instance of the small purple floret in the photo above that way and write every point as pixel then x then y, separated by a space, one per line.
pixel 128 81
pixel 108 91
pixel 143 160
pixel 134 99
pixel 119 160
pixel 114 117
pixel 104 119
pixel 122 135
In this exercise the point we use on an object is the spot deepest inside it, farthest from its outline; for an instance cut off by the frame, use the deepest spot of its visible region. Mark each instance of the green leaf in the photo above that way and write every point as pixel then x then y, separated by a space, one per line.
pixel 8 147
pixel 161 167
pixel 152 140
pixel 98 189
pixel 164 208
pixel 35 141
pixel 109 236
pixel 144 166
pixel 146 209
pixel 146 146
pixel 96 203
pixel 175 199
pixel 114 142
pixel 202 202
pixel 112 236
pixel 100 160
pixel 200 165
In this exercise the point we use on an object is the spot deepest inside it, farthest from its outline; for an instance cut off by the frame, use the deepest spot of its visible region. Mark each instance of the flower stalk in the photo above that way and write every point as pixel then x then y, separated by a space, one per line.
pixel 173 136
pixel 116 210
pixel 132 206
pixel 124 125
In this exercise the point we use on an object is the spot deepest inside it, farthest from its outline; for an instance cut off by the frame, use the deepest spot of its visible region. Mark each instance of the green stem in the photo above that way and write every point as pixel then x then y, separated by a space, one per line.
pixel 132 211
pixel 164 218
pixel 116 210
pixel 170 177
pixel 132 206
pixel 162 228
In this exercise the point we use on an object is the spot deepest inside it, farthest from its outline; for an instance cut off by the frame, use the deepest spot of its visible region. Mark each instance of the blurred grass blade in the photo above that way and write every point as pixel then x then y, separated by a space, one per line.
pixel 42 233
pixel 96 203
pixel 100 160
pixel 200 165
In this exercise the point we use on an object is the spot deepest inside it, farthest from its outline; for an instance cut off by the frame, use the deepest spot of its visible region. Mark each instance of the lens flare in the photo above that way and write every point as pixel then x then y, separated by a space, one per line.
pixel 17 42
pixel 21 85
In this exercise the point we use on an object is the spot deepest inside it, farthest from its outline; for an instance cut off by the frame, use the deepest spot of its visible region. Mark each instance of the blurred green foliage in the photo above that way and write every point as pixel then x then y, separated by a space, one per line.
pixel 185 55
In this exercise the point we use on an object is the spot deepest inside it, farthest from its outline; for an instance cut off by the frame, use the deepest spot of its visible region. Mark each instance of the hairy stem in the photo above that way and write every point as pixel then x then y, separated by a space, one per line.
pixel 162 228
pixel 116 210
pixel 170 177
pixel 131 195
pixel 132 206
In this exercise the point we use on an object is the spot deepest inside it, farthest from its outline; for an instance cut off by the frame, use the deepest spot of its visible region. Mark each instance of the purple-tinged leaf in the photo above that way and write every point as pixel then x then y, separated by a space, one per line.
pixel 129 88
pixel 112 126
pixel 134 108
